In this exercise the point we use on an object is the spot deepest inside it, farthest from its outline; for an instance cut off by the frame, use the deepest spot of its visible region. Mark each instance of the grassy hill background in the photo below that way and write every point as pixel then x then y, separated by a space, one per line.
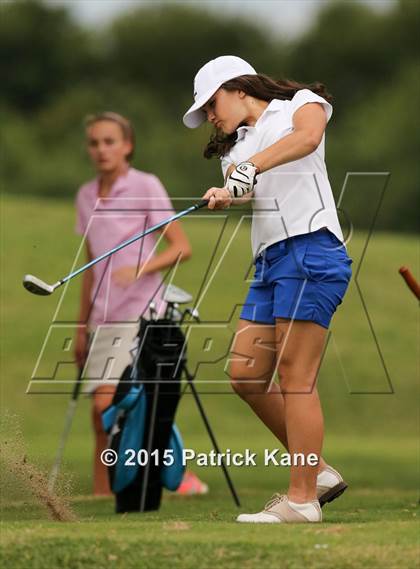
pixel 370 400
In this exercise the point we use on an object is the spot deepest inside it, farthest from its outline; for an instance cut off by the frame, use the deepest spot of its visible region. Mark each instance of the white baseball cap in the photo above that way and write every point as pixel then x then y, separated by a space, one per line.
pixel 208 79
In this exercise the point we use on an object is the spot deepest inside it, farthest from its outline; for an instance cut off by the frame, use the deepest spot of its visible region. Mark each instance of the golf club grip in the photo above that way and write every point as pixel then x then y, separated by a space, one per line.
pixel 409 278
pixel 201 203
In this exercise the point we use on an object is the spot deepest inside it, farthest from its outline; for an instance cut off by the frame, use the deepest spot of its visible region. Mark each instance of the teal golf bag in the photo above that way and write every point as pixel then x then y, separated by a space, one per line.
pixel 140 420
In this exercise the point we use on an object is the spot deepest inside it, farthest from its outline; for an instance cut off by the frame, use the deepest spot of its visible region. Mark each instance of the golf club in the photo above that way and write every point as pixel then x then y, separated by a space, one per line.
pixel 171 308
pixel 152 311
pixel 66 431
pixel 37 286
pixel 174 296
pixel 193 312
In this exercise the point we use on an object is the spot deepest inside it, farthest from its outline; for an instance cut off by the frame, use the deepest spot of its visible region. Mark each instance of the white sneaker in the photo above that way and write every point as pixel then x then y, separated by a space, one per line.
pixel 329 485
pixel 280 510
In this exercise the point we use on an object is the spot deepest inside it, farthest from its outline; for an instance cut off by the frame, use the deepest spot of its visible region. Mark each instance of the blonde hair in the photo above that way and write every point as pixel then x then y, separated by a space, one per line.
pixel 125 125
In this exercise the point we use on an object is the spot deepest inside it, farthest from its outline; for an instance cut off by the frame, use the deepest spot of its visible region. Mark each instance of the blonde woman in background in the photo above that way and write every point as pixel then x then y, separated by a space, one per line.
pixel 119 290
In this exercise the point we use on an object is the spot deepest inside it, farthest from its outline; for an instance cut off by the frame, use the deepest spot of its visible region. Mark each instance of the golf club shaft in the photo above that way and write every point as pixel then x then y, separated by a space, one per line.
pixel 66 431
pixel 176 216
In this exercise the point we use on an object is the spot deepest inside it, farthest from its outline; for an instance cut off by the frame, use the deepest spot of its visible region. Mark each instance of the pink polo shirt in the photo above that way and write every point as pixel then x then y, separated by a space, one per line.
pixel 137 201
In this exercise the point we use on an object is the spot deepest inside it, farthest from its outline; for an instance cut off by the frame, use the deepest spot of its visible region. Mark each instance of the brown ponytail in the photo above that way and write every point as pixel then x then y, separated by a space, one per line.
pixel 260 87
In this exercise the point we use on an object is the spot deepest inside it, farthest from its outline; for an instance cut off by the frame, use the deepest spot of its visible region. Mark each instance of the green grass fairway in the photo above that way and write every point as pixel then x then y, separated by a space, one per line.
pixel 368 384
pixel 365 529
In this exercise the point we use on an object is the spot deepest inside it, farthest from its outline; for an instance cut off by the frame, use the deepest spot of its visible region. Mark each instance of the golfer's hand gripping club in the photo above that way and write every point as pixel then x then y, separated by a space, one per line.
pixel 218 198
pixel 242 180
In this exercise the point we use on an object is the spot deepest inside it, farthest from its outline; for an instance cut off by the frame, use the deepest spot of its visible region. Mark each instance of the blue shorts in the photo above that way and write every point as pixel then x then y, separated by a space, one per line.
pixel 301 278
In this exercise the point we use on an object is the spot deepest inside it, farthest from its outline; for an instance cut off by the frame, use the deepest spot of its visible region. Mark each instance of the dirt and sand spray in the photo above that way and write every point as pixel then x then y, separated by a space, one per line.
pixel 23 477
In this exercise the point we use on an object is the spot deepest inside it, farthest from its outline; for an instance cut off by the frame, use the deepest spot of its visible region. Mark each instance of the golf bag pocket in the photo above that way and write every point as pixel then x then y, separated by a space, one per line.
pixel 127 439
pixel 127 436
pixel 124 399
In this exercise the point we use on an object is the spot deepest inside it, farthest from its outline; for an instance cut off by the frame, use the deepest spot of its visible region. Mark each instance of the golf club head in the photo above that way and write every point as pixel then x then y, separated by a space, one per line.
pixel 36 286
pixel 174 294
pixel 176 315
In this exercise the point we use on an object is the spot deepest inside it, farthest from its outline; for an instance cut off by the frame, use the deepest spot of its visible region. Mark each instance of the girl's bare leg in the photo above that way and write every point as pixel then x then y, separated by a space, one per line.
pixel 102 398
pixel 253 364
pixel 299 358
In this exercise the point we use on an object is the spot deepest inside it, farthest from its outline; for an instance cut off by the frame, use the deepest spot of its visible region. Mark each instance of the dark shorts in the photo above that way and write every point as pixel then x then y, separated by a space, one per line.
pixel 301 278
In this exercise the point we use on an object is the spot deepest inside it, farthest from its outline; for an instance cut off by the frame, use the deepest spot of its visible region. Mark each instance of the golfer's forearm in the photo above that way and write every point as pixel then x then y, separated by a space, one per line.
pixel 244 199
pixel 166 259
pixel 290 148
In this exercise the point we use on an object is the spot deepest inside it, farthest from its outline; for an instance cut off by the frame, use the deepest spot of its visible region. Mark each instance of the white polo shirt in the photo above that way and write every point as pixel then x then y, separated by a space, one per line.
pixel 294 198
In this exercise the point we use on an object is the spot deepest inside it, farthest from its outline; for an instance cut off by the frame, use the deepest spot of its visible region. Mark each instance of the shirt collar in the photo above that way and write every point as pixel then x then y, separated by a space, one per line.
pixel 120 184
pixel 273 105
pixel 241 132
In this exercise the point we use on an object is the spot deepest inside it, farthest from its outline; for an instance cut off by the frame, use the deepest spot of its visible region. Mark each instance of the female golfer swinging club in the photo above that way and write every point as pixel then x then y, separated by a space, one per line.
pixel 272 132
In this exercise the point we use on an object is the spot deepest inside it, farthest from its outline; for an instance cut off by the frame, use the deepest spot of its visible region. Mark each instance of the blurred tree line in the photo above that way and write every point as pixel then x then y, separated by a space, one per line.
pixel 55 72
